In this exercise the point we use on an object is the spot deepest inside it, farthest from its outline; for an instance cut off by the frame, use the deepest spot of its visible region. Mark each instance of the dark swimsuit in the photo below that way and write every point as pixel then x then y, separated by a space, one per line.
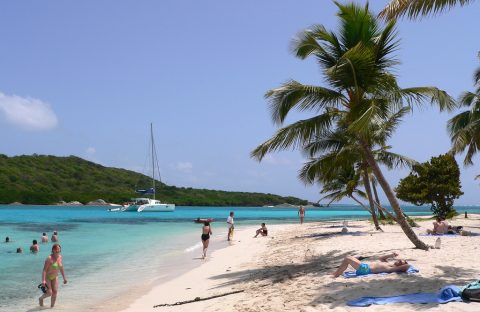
pixel 205 237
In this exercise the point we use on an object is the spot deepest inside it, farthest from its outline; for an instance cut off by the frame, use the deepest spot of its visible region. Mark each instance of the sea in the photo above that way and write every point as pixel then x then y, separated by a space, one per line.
pixel 108 253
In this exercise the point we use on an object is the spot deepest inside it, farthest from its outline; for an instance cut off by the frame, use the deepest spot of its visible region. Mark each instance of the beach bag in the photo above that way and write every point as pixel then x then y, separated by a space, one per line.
pixel 471 292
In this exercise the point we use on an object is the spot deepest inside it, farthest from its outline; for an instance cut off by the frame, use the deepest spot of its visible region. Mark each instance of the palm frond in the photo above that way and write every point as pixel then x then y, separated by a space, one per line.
pixel 387 128
pixel 418 95
pixel 363 125
pixel 416 8
pixel 317 41
pixel 385 44
pixel 294 135
pixel 393 160
pixel 306 44
pixel 334 197
pixel 293 94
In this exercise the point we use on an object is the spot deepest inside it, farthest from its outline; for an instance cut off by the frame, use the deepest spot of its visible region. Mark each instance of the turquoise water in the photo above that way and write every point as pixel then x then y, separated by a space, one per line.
pixel 103 251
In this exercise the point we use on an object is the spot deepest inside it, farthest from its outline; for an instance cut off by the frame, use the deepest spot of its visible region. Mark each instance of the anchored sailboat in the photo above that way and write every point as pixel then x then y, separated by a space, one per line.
pixel 145 203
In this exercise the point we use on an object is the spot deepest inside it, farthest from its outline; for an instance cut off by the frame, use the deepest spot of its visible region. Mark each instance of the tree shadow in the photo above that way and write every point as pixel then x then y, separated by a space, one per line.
pixel 378 286
pixel 336 292
pixel 276 274
pixel 321 236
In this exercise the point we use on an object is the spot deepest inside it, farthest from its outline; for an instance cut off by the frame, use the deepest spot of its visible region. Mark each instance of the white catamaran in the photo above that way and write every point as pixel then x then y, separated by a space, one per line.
pixel 145 203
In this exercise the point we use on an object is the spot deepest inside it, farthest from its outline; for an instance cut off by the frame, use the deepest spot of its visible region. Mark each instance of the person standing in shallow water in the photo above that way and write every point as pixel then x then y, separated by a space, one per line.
pixel 230 226
pixel 301 213
pixel 53 265
pixel 34 248
pixel 55 237
pixel 44 238
pixel 206 232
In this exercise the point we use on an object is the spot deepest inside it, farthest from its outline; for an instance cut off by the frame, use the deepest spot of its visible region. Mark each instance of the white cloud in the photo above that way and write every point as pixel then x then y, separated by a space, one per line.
pixel 91 150
pixel 28 113
pixel 185 167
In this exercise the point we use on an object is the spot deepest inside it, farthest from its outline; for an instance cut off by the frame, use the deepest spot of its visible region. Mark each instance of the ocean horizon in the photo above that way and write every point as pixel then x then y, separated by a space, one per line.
pixel 106 253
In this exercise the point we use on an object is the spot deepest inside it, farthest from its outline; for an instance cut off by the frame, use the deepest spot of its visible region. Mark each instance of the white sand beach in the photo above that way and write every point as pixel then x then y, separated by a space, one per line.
pixel 289 270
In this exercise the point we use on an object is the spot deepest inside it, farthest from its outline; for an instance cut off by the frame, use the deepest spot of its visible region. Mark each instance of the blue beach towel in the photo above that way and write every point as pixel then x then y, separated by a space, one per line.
pixel 446 294
pixel 351 274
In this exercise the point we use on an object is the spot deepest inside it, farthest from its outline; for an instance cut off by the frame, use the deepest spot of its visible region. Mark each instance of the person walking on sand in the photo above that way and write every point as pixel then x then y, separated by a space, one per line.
pixel 262 231
pixel 206 232
pixel 53 265
pixel 301 213
pixel 230 226
pixel 34 248
pixel 44 238
pixel 382 266
pixel 55 237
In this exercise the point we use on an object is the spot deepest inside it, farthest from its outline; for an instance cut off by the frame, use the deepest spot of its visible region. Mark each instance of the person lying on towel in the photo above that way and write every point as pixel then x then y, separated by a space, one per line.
pixel 382 266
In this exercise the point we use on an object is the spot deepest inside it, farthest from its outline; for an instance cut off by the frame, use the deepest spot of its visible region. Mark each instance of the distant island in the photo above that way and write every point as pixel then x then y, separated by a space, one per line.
pixel 46 180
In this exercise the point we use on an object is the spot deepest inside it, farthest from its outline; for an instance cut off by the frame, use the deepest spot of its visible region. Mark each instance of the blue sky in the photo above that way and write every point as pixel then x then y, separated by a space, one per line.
pixel 86 78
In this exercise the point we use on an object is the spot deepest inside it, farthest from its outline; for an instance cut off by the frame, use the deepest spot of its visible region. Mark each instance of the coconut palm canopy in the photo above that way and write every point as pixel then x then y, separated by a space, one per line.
pixel 361 96
pixel 416 8
pixel 464 128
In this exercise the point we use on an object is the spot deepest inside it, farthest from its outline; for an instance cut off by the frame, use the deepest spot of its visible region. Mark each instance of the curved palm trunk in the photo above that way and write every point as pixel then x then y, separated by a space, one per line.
pixel 391 198
pixel 380 211
pixel 366 183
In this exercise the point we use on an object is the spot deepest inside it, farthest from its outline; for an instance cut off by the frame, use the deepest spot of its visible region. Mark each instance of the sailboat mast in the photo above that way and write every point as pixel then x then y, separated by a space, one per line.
pixel 153 159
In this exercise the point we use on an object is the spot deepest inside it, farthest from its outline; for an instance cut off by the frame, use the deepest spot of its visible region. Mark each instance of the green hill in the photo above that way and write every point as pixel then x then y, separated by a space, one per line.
pixel 41 179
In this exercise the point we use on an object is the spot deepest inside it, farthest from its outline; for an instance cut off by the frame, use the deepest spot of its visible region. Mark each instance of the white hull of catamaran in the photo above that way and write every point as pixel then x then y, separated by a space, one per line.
pixel 151 208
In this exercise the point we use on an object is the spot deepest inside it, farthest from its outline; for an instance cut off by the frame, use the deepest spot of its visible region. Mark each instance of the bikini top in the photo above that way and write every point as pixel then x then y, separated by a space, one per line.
pixel 55 265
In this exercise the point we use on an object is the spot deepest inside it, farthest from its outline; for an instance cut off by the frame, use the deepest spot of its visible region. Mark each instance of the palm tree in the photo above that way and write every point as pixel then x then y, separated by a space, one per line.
pixel 464 128
pixel 344 184
pixel 337 150
pixel 374 182
pixel 415 8
pixel 338 156
pixel 356 63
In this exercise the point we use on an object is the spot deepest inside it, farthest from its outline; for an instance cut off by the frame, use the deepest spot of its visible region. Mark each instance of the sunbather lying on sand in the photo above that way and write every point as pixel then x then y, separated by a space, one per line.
pixel 382 266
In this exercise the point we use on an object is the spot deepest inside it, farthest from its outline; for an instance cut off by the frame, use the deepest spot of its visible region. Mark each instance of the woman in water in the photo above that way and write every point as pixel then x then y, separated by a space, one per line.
pixel 206 232
pixel 53 265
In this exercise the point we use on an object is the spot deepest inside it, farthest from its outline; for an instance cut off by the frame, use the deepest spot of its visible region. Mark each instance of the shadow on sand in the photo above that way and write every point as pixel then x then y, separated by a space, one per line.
pixel 343 290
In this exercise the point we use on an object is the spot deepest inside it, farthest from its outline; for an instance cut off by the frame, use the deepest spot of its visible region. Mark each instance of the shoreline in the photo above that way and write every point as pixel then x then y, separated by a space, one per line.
pixel 226 258
pixel 184 264
pixel 288 270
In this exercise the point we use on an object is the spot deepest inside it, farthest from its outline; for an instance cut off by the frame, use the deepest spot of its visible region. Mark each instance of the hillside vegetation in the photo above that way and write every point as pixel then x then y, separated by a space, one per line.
pixel 42 179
